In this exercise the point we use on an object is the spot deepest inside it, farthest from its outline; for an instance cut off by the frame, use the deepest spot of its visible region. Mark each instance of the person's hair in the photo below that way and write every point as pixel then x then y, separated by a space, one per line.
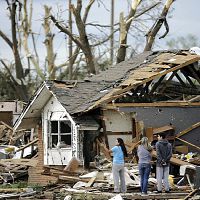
pixel 122 145
pixel 145 143
pixel 162 135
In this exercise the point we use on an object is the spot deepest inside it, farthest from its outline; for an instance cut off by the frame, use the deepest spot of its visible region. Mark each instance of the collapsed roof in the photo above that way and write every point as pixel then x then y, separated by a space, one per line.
pixel 148 77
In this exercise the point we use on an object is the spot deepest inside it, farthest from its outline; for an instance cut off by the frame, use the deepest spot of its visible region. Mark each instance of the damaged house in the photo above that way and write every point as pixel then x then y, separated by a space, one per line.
pixel 150 93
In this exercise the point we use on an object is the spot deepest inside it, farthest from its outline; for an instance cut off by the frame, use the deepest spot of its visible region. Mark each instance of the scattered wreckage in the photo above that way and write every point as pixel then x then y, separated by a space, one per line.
pixel 151 93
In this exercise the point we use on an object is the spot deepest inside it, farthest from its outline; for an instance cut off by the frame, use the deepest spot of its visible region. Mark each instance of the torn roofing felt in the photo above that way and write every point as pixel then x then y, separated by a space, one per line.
pixel 82 96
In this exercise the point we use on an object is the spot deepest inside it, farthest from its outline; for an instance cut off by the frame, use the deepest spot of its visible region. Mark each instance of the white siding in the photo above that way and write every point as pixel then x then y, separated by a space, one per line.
pixel 57 156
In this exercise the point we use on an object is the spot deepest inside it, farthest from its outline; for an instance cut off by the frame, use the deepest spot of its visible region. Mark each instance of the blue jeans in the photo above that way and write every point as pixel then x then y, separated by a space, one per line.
pixel 144 170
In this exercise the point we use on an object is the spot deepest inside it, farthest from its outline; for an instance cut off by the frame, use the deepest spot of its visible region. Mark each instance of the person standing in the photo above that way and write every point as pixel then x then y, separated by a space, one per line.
pixel 119 153
pixel 144 155
pixel 164 153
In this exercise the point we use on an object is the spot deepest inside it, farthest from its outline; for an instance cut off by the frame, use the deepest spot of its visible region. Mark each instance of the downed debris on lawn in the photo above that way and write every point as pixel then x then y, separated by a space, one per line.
pixel 73 182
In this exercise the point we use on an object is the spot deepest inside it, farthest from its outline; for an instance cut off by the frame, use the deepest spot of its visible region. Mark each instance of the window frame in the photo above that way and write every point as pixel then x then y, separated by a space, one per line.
pixel 59 134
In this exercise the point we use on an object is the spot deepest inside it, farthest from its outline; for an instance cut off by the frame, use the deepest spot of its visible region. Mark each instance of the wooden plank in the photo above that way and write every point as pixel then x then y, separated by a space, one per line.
pixel 188 143
pixel 179 59
pixel 27 145
pixel 137 75
pixel 9 127
pixel 182 149
pixel 162 129
pixel 25 162
pixel 149 133
pixel 190 194
pixel 75 179
pixel 173 160
pixel 158 66
pixel 129 82
pixel 118 133
pixel 156 104
pixel 72 165
pixel 104 150
pixel 117 92
pixel 162 57
pixel 188 129
pixel 91 181
pixel 133 146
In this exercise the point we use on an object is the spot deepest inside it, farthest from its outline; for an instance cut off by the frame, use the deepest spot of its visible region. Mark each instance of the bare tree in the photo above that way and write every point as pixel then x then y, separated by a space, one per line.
pixel 156 27
pixel 26 30
pixel 82 41
pixel 18 82
pixel 124 28
pixel 70 42
pixel 49 44
pixel 89 47
pixel 112 31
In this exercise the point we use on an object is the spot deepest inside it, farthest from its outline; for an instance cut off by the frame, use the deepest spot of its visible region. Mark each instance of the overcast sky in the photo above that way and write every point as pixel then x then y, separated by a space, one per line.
pixel 184 20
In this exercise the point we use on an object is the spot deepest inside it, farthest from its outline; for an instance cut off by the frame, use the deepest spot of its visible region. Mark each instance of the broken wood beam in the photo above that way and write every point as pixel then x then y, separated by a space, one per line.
pixel 90 182
pixel 188 129
pixel 75 179
pixel 190 194
pixel 188 143
pixel 173 160
pixel 104 149
pixel 133 146
pixel 27 145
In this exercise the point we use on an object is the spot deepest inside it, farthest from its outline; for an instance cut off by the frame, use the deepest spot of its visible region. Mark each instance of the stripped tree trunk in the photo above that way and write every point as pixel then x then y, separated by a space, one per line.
pixel 124 28
pixel 156 27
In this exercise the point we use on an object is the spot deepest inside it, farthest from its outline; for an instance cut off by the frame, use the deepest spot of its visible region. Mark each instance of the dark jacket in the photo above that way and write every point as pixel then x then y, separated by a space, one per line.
pixel 164 152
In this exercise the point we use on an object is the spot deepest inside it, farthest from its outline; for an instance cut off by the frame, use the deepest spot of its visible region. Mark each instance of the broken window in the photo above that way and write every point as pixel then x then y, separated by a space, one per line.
pixel 60 134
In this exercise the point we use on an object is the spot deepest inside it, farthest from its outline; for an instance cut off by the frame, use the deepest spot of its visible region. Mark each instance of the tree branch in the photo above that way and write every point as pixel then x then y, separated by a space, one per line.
pixel 66 31
pixel 157 25
pixel 7 40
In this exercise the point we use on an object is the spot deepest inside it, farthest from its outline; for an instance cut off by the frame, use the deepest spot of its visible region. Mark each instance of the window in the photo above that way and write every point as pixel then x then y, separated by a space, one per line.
pixel 60 134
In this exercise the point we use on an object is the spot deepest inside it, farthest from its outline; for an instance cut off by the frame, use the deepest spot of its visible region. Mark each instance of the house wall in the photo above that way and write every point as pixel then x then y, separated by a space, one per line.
pixel 179 117
pixel 117 124
pixel 57 156
pixel 12 109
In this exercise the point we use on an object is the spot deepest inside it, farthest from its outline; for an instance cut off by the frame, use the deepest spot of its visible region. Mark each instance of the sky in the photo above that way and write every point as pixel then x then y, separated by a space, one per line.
pixel 184 19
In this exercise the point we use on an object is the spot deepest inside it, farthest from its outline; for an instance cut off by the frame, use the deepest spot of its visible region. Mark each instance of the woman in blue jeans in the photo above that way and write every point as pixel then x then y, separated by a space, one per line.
pixel 144 155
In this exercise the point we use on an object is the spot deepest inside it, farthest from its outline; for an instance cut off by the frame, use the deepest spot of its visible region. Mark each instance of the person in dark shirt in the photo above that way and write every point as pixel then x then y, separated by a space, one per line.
pixel 164 153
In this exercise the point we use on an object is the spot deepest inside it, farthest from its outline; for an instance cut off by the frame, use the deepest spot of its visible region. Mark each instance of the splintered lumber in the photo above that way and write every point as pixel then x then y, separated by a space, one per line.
pixel 48 168
pixel 104 150
pixel 173 160
pixel 75 179
pixel 162 129
pixel 9 190
pixel 9 127
pixel 72 165
pixel 188 143
pixel 182 149
pixel 133 146
pixel 24 162
pixel 190 194
pixel 92 179
pixel 188 130
pixel 90 182
pixel 27 145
